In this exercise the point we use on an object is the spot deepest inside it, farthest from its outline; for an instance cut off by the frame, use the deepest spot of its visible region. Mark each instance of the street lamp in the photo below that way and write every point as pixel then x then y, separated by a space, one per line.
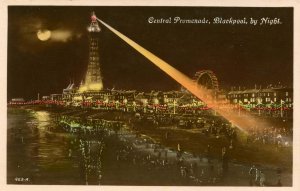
pixel 281 109
pixel 106 102
pixel 125 102
pixel 117 104
pixel 134 105
pixel 174 106
pixel 155 104
pixel 145 105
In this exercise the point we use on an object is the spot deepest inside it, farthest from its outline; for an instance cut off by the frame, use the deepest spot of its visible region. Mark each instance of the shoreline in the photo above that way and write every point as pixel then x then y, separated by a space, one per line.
pixel 189 141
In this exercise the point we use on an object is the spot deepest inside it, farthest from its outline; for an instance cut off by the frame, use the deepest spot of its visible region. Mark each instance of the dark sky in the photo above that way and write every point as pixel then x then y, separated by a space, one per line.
pixel 240 55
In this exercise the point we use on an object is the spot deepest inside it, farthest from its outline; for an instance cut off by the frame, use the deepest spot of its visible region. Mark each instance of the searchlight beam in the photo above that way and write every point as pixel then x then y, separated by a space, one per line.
pixel 243 123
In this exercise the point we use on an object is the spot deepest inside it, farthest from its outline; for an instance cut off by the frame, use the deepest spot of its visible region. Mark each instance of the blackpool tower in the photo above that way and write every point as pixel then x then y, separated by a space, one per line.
pixel 93 78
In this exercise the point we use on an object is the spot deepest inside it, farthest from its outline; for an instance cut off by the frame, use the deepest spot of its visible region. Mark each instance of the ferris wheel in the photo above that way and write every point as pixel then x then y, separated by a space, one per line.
pixel 207 79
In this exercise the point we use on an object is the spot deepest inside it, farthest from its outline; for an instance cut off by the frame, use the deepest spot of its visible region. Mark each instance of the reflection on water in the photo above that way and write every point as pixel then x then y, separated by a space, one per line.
pixel 34 156
pixel 38 155
pixel 42 119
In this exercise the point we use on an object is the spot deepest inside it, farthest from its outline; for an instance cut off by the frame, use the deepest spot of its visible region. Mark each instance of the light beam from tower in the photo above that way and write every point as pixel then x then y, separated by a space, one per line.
pixel 244 123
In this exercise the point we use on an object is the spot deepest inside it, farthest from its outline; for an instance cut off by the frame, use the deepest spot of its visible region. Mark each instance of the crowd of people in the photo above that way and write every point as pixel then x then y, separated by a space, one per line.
pixel 141 152
pixel 153 157
pixel 280 137
pixel 144 153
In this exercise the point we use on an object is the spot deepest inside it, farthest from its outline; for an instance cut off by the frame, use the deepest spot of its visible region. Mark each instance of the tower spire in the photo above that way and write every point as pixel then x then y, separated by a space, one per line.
pixel 93 78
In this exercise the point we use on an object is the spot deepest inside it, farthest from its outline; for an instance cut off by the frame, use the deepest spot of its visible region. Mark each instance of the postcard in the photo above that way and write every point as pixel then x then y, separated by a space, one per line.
pixel 181 95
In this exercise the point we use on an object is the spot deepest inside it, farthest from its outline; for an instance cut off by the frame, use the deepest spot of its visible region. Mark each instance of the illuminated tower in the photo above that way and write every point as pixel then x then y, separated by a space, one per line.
pixel 93 78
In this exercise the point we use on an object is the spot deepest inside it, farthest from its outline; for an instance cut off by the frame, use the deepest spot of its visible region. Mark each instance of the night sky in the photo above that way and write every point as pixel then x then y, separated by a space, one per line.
pixel 240 55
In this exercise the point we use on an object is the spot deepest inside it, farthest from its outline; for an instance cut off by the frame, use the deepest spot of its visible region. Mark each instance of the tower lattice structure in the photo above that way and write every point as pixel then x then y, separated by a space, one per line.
pixel 93 78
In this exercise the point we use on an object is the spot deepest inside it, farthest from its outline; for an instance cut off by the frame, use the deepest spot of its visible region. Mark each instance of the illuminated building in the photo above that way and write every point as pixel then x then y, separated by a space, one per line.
pixel 270 95
pixel 16 101
pixel 93 78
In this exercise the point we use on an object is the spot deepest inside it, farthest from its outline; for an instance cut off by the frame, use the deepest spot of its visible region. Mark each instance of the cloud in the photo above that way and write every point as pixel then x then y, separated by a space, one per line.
pixel 61 35
pixel 24 34
pixel 29 26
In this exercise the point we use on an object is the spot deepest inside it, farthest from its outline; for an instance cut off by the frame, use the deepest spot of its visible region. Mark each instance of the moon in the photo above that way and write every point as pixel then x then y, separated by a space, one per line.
pixel 43 35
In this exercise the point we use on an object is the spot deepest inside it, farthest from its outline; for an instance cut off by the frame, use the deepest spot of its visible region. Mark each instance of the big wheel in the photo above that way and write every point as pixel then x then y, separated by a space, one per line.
pixel 207 79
